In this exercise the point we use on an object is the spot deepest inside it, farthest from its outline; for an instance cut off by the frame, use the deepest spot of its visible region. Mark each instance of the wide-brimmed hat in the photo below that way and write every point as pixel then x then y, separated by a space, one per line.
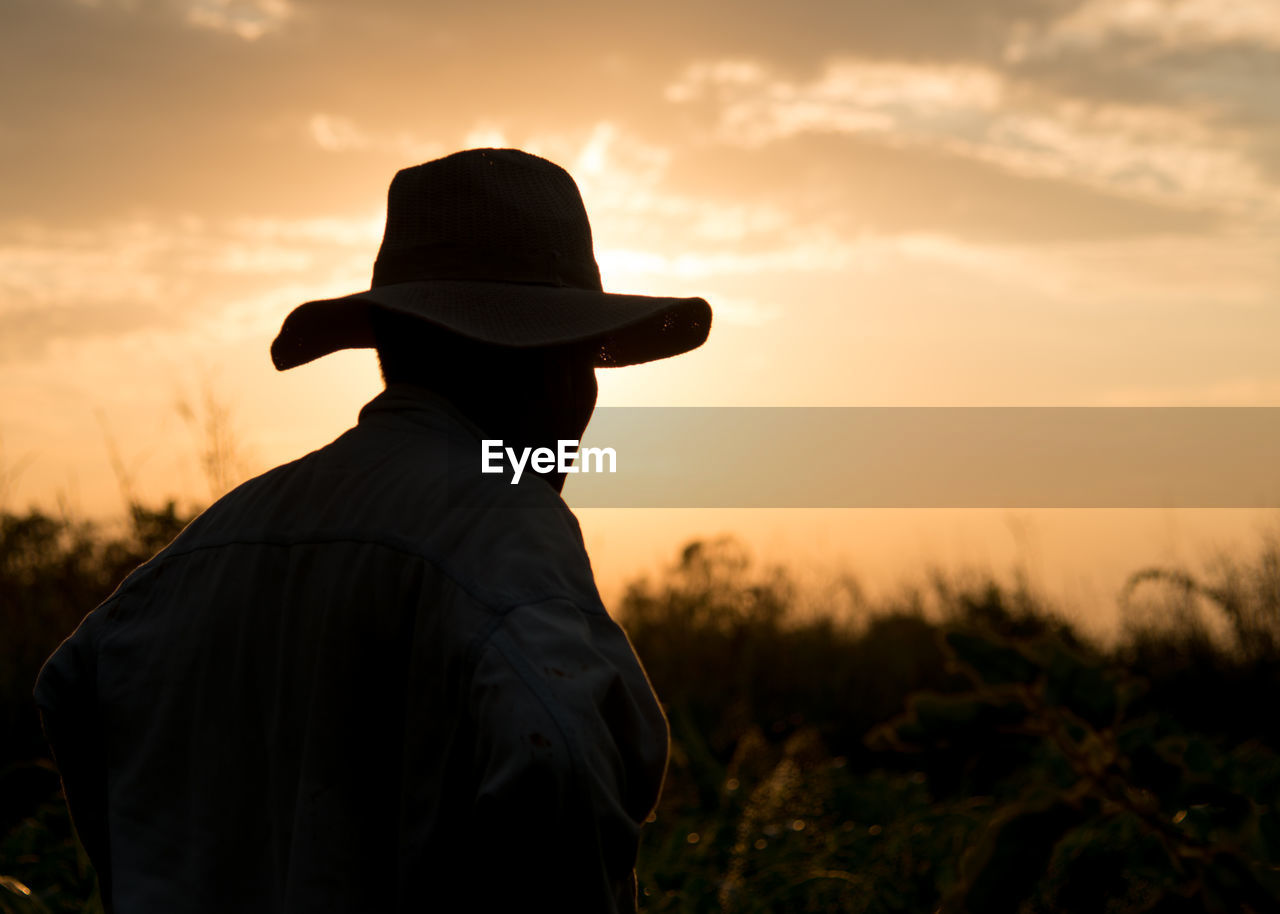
pixel 494 244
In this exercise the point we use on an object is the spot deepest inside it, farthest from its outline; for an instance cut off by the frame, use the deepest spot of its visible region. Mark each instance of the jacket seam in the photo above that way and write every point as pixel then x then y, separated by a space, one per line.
pixel 403 547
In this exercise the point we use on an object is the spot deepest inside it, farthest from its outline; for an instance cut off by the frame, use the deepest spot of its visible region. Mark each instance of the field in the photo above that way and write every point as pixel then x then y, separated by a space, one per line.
pixel 958 748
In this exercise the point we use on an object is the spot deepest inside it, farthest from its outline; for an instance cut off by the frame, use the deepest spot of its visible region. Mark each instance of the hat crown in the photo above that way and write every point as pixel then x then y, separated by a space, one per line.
pixel 494 245
pixel 487 214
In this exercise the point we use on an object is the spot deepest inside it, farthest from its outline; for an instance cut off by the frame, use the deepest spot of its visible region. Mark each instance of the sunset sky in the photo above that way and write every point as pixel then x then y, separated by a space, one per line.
pixel 972 202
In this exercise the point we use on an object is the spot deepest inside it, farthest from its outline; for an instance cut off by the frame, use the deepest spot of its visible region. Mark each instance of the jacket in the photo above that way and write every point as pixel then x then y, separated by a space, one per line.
pixel 372 679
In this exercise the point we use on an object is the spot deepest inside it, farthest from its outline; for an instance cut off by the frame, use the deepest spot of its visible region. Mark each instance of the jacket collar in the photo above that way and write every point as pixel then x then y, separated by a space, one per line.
pixel 419 405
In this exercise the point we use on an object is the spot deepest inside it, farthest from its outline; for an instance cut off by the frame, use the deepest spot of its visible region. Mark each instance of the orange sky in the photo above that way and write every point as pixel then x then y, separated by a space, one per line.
pixel 978 202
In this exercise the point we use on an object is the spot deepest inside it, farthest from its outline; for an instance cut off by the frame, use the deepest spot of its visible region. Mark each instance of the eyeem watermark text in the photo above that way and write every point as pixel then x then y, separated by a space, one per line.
pixel 544 459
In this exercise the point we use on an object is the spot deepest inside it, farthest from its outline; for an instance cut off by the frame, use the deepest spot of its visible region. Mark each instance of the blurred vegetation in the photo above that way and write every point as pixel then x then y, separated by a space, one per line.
pixel 957 748
pixel 53 571
pixel 962 748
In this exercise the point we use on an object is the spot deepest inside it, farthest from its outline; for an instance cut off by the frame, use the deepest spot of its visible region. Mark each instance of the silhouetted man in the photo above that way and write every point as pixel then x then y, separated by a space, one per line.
pixel 376 678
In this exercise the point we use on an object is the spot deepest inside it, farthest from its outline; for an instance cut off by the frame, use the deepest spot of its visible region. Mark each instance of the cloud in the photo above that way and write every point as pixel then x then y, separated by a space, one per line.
pixel 817 255
pixel 848 95
pixel 72 284
pixel 1131 279
pixel 1167 24
pixel 745 312
pixel 855 185
pixel 142 111
pixel 339 134
pixel 133 277
pixel 247 19
pixel 485 135
pixel 1165 155
pixel 1219 60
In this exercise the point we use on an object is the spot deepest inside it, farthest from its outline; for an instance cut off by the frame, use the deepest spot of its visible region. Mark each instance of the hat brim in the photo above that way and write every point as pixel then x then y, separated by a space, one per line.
pixel 630 329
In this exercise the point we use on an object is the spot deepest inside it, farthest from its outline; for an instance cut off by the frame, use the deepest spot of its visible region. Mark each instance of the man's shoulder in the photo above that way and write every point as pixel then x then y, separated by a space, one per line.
pixel 518 542
pixel 521 540
pixel 414 488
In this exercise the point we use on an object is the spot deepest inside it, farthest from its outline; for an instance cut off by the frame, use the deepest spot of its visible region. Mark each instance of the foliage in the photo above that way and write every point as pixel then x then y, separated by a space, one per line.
pixel 53 571
pixel 1114 805
pixel 1021 768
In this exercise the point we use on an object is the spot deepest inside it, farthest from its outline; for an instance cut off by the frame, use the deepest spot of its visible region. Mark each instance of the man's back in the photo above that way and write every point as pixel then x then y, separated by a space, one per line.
pixel 371 679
